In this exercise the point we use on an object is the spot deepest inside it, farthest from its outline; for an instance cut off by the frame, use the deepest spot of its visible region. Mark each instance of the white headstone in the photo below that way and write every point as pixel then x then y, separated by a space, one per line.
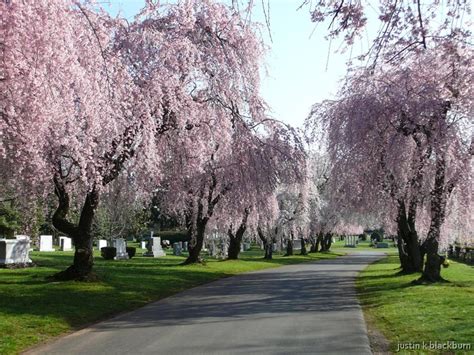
pixel 156 247
pixel 101 243
pixel 143 244
pixel 14 251
pixel 185 246
pixel 46 243
pixel 121 247
pixel 65 243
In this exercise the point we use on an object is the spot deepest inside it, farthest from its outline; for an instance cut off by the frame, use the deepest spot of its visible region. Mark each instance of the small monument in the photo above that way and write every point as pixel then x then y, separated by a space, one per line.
pixel 275 247
pixel 185 246
pixel 143 244
pixel 297 244
pixel 153 247
pixel 177 249
pixel 101 243
pixel 46 243
pixel 65 244
pixel 156 247
pixel 350 241
pixel 246 246
pixel 121 247
pixel 14 252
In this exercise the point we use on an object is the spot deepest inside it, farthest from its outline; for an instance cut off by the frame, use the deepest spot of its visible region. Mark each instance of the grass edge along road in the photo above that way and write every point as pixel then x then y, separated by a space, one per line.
pixel 34 311
pixel 417 318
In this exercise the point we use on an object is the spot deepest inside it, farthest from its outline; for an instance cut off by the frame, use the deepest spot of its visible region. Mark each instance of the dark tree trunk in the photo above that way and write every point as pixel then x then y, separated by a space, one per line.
pixel 408 244
pixel 303 248
pixel 326 242
pixel 81 234
pixel 319 242
pixel 268 251
pixel 289 247
pixel 439 197
pixel 236 239
pixel 197 242
pixel 313 248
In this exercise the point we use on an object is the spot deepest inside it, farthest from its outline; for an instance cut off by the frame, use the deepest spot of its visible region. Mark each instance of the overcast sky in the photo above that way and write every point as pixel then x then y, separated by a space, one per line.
pixel 300 72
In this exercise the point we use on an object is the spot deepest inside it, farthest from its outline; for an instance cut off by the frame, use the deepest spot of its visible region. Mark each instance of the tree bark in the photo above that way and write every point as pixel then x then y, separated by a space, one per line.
pixel 439 197
pixel 197 242
pixel 236 239
pixel 303 247
pixel 319 242
pixel 408 244
pixel 81 234
pixel 326 242
pixel 289 247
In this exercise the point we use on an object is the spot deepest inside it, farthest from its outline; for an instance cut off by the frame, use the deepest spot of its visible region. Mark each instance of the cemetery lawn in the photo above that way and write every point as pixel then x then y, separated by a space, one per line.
pixel 33 310
pixel 404 312
pixel 338 246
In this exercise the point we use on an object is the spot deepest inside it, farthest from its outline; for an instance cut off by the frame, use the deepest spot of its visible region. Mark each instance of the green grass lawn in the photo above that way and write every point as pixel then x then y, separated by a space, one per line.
pixel 364 246
pixel 33 310
pixel 407 313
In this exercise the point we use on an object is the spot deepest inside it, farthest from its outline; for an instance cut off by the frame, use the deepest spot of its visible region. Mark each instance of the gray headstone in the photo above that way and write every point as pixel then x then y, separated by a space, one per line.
pixel 121 247
pixel 177 249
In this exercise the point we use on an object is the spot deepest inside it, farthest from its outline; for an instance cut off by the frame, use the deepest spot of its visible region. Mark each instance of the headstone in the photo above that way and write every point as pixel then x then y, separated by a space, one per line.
pixel 177 249
pixel 14 252
pixel 101 243
pixel 222 250
pixel 382 245
pixel 157 249
pixel 65 243
pixel 275 247
pixel 121 247
pixel 246 246
pixel 297 244
pixel 185 246
pixel 22 236
pixel 350 241
pixel 46 243
pixel 143 244
pixel 154 248
pixel 241 247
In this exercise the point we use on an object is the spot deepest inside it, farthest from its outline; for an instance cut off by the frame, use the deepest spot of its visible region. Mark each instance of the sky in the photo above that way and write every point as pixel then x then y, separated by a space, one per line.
pixel 300 69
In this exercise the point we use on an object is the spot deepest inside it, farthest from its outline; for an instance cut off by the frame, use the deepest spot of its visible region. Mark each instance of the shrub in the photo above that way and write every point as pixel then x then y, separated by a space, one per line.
pixel 108 253
pixel 131 252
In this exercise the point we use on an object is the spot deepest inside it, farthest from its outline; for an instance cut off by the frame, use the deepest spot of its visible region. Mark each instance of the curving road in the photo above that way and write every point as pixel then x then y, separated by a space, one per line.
pixel 308 308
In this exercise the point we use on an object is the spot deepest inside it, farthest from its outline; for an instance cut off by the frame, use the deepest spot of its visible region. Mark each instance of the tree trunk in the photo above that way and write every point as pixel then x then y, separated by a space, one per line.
pixel 268 251
pixel 313 248
pixel 234 248
pixel 81 269
pixel 408 244
pixel 319 242
pixel 303 248
pixel 289 247
pixel 326 242
pixel 439 197
pixel 197 242
pixel 432 271
pixel 236 239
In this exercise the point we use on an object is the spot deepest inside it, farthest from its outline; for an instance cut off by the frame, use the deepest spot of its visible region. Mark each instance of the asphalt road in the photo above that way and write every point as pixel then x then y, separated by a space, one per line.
pixel 308 308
